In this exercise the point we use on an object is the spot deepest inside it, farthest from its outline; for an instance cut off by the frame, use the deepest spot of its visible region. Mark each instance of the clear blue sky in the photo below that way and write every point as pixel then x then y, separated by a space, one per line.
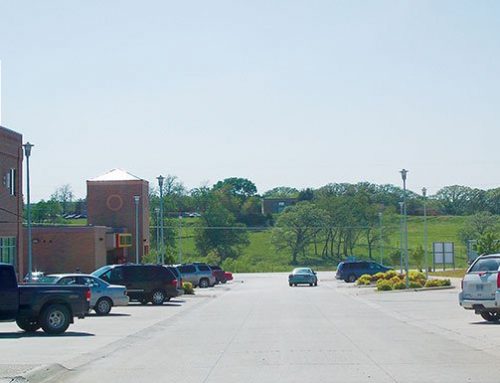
pixel 296 93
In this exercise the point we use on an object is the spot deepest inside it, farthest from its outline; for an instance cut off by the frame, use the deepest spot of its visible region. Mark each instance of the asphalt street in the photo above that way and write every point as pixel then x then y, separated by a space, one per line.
pixel 258 329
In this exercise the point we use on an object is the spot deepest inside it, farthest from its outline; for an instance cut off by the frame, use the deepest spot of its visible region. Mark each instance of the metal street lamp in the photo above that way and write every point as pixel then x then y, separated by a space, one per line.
pixel 136 201
pixel 401 237
pixel 424 194
pixel 404 173
pixel 157 211
pixel 381 243
pixel 27 152
pixel 160 179
pixel 180 238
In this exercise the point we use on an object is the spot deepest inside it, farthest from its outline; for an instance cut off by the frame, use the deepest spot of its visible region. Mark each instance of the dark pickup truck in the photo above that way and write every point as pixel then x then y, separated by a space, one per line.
pixel 51 307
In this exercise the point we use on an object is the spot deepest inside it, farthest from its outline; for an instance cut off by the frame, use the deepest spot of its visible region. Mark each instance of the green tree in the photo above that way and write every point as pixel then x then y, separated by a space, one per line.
pixel 477 225
pixel 219 233
pixel 417 256
pixel 281 192
pixel 296 228
pixel 488 243
pixel 64 196
pixel 241 187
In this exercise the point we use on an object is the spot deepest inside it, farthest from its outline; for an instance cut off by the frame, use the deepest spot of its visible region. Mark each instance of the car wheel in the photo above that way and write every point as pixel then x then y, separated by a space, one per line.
pixel 351 278
pixel 224 281
pixel 55 319
pixel 316 283
pixel 491 316
pixel 103 306
pixel 27 325
pixel 158 297
pixel 204 283
pixel 290 284
pixel 311 284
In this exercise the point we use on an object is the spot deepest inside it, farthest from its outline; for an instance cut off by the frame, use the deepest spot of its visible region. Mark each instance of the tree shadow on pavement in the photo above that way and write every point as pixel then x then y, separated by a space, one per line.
pixel 41 334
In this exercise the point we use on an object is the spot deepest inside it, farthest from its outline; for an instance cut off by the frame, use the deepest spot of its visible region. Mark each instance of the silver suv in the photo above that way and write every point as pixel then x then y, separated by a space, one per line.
pixel 481 287
pixel 199 274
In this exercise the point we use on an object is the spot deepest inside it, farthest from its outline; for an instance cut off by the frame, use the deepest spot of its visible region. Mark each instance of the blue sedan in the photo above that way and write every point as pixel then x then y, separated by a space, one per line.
pixel 302 275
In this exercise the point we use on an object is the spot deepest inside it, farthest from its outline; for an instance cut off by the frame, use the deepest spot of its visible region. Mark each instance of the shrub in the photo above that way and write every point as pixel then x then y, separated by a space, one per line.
pixel 415 285
pixel 365 279
pixel 400 285
pixel 384 285
pixel 378 276
pixel 390 274
pixel 188 288
pixel 416 276
pixel 395 279
pixel 438 283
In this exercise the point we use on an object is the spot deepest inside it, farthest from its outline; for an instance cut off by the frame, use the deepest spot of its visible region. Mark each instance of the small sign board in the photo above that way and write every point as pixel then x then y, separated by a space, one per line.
pixel 443 254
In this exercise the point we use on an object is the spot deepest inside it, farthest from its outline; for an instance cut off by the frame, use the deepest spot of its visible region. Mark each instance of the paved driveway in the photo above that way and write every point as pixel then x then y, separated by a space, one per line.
pixel 260 330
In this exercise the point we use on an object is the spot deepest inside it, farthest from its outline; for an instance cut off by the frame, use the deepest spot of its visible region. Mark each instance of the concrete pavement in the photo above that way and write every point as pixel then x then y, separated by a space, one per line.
pixel 261 330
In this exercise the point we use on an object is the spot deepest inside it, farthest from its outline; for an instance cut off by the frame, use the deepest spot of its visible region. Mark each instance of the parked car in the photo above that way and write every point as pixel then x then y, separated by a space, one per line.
pixel 302 275
pixel 144 283
pixel 352 270
pixel 33 306
pixel 220 275
pixel 199 274
pixel 228 275
pixel 35 277
pixel 481 287
pixel 103 295
pixel 178 276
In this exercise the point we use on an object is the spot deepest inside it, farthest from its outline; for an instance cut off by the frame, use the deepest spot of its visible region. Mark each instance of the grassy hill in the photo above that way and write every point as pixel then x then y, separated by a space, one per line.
pixel 261 255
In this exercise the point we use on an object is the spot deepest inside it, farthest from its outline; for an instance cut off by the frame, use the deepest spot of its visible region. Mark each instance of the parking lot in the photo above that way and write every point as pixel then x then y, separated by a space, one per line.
pixel 258 329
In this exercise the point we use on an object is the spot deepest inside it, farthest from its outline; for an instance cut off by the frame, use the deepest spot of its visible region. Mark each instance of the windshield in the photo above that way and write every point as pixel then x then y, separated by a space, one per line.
pixel 48 279
pixel 485 264
pixel 301 271
pixel 101 271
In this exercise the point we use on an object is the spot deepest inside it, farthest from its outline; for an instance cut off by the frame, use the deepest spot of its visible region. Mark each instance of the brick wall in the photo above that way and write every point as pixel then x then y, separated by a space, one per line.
pixel 111 203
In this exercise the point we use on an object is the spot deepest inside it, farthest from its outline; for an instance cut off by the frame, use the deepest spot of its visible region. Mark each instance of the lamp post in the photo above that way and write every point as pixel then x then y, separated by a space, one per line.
pixel 157 211
pixel 381 243
pixel 401 237
pixel 180 238
pixel 160 179
pixel 424 194
pixel 27 152
pixel 404 173
pixel 136 201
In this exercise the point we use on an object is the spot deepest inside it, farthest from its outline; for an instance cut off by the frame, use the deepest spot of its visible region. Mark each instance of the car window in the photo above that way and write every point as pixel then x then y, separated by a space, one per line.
pixel 187 269
pixel 88 281
pixel 116 275
pixel 486 264
pixel 203 268
pixel 67 281
pixel 7 279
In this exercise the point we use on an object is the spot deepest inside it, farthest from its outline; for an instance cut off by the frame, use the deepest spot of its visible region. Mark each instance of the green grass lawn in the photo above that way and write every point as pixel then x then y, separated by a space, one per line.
pixel 261 255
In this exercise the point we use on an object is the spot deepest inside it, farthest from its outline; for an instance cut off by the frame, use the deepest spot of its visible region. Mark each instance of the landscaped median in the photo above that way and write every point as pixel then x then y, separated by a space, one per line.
pixel 391 280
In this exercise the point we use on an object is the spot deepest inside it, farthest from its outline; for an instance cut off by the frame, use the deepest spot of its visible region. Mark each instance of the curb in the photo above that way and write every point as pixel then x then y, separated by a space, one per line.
pixel 44 373
pixel 417 290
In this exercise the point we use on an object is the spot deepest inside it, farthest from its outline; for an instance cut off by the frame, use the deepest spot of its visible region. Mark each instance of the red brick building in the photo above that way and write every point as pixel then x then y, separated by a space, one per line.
pixel 64 249
pixel 11 200
pixel 110 202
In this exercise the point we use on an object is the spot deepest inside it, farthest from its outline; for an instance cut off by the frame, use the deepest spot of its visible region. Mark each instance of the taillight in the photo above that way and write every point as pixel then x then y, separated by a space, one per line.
pixel 173 282
pixel 498 280
pixel 88 295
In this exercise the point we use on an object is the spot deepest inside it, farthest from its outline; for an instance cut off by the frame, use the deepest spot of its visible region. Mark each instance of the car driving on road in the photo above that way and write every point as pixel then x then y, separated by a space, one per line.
pixel 302 275
pixel 103 295
pixel 481 287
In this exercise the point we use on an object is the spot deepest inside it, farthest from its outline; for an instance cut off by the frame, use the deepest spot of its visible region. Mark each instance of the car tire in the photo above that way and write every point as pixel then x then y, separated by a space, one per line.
pixel 103 306
pixel 290 284
pixel 351 278
pixel 316 283
pixel 158 297
pixel 55 319
pixel 224 281
pixel 204 283
pixel 311 284
pixel 27 325
pixel 491 316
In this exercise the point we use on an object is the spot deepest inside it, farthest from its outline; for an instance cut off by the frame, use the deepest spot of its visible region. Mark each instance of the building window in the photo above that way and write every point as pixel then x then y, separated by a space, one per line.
pixel 10 181
pixel 8 250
